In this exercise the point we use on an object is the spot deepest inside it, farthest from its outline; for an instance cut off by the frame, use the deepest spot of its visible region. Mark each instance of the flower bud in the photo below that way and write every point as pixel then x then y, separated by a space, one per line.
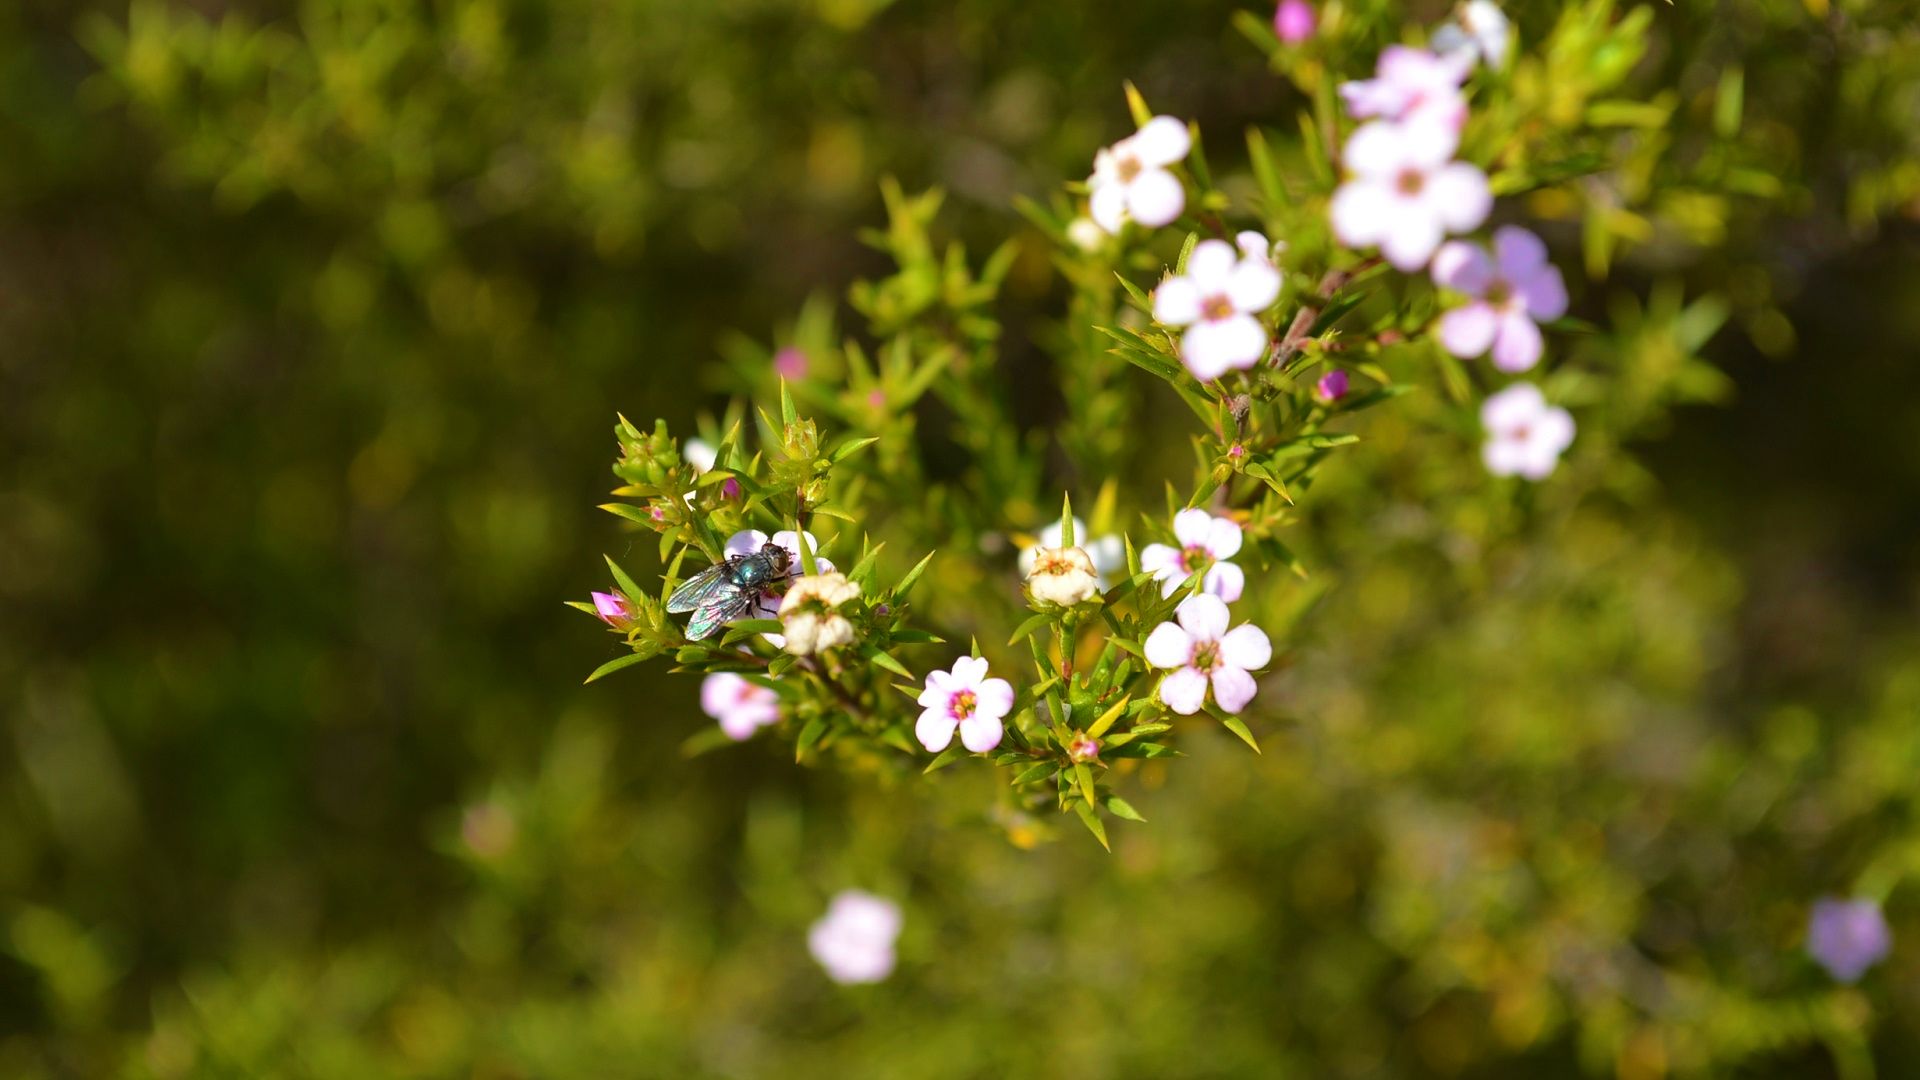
pixel 790 363
pixel 1331 387
pixel 1086 235
pixel 1083 747
pixel 1293 22
pixel 1063 575
pixel 614 610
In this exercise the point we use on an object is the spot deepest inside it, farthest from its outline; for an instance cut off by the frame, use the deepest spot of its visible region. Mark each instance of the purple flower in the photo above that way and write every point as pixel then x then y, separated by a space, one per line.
pixel 790 363
pixel 614 610
pixel 1331 387
pixel 1293 21
pixel 1525 435
pixel 1848 936
pixel 1411 84
pixel 1513 290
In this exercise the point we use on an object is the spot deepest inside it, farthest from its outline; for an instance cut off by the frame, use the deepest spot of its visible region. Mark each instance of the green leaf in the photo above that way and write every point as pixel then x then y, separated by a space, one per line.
pixel 881 659
pixel 1029 625
pixel 809 735
pixel 789 415
pixel 621 579
pixel 913 577
pixel 1091 820
pixel 1083 777
pixel 1238 727
pixel 1120 808
pixel 1067 539
pixel 945 758
pixel 614 665
pixel 631 513
pixel 1137 105
pixel 706 740
pixel 853 446
pixel 1038 772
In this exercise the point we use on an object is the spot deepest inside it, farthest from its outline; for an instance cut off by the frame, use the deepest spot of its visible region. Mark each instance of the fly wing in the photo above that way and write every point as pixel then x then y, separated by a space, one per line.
pixel 700 588
pixel 718 612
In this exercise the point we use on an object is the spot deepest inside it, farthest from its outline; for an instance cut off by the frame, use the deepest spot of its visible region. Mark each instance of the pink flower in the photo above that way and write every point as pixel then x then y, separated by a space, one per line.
pixel 1406 192
pixel 966 699
pixel 790 363
pixel 614 610
pixel 1293 21
pixel 1525 435
pixel 1412 84
pixel 1513 290
pixel 1130 178
pixel 1219 301
pixel 1201 650
pixel 854 940
pixel 1206 542
pixel 1331 387
pixel 742 707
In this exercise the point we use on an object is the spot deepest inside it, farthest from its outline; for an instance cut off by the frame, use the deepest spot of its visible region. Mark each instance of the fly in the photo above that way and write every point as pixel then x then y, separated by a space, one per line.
pixel 727 591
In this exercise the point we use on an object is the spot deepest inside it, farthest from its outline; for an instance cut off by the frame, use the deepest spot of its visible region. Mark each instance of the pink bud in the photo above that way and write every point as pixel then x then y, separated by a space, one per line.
pixel 877 399
pixel 730 488
pixel 1293 21
pixel 1331 387
pixel 613 609
pixel 1083 748
pixel 790 363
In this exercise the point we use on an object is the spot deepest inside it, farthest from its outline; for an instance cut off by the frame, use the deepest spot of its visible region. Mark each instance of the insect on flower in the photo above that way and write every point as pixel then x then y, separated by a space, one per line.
pixel 727 591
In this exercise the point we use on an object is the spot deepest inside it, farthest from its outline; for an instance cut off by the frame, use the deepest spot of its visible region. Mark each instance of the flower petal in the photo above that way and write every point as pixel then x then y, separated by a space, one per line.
pixel 1358 210
pixel 1232 688
pixel 1411 236
pixel 1520 252
pixel 1214 347
pixel 1169 646
pixel 1204 616
pixel 719 692
pixel 994 698
pixel 934 730
pixel 1223 537
pixel 1517 347
pixel 1210 266
pixel 1184 691
pixel 1176 303
pixel 981 733
pixel 1163 140
pixel 968 671
pixel 1544 293
pixel 1108 206
pixel 1459 196
pixel 1516 406
pixel 1192 527
pixel 1158 557
pixel 1253 286
pixel 1463 267
pixel 1375 150
pixel 1246 646
pixel 1468 331
pixel 1155 198
pixel 1225 580
pixel 745 542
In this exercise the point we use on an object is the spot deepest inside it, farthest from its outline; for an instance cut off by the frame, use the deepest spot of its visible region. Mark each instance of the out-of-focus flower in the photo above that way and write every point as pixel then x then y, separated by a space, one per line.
pixel 1130 178
pixel 700 454
pixel 489 829
pixel 1514 289
pixel 1406 192
pixel 1086 234
pixel 1109 553
pixel 1218 301
pixel 1481 34
pixel 614 610
pixel 790 363
pixel 809 614
pixel 1253 244
pixel 741 707
pixel 1848 936
pixel 1525 435
pixel 1331 387
pixel 1412 85
pixel 1293 21
pixel 854 940
pixel 964 699
pixel 1206 543
pixel 1062 575
pixel 1200 650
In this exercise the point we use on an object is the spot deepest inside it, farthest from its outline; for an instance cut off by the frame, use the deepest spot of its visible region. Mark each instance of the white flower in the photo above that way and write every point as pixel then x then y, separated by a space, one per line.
pixel 1086 234
pixel 1525 435
pixel 1218 301
pixel 854 939
pixel 1130 178
pixel 700 454
pixel 1109 553
pixel 1201 650
pixel 1482 34
pixel 1512 291
pixel 809 617
pixel 966 699
pixel 1206 542
pixel 1254 244
pixel 1406 192
pixel 1412 84
pixel 1062 575
pixel 741 707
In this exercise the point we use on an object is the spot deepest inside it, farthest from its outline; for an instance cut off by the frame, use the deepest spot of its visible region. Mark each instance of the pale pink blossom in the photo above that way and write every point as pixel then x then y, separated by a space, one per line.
pixel 614 610
pixel 790 363
pixel 1293 21
pixel 1482 34
pixel 1513 290
pixel 1206 543
pixel 1200 651
pixel 1219 301
pixel 1412 84
pixel 967 700
pixel 1525 435
pixel 1406 193
pixel 1131 180
pixel 854 940
pixel 742 707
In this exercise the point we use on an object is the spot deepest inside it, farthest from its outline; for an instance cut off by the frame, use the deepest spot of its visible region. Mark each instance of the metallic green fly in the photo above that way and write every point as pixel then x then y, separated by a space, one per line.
pixel 727 591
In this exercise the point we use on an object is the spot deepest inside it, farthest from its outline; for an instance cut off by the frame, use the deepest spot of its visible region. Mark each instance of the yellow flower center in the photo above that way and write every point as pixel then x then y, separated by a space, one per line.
pixel 962 704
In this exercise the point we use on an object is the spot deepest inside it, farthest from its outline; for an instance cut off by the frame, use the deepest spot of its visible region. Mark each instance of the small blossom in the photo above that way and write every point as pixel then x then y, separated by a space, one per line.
pixel 1218 301
pixel 700 454
pixel 1525 435
pixel 741 707
pixel 1293 21
pixel 1412 85
pixel 854 940
pixel 1083 747
pixel 1130 178
pixel 1063 575
pixel 614 610
pixel 1086 234
pixel 1109 552
pixel 967 700
pixel 1513 290
pixel 1482 34
pixel 1406 192
pixel 1206 543
pixel 1331 387
pixel 809 617
pixel 1253 244
pixel 790 363
pixel 1848 936
pixel 1200 650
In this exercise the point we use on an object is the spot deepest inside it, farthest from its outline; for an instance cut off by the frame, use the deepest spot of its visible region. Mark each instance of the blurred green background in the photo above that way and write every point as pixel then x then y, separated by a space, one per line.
pixel 313 319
